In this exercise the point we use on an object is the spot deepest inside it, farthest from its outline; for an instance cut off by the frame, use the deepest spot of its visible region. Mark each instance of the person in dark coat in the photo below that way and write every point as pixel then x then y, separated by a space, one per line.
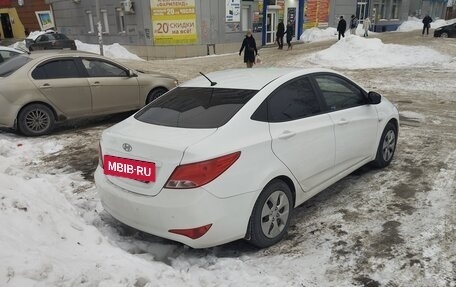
pixel 280 33
pixel 290 34
pixel 426 24
pixel 342 27
pixel 251 51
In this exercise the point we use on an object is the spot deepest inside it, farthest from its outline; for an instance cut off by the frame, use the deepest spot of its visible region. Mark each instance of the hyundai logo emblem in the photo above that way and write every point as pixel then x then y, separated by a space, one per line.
pixel 127 147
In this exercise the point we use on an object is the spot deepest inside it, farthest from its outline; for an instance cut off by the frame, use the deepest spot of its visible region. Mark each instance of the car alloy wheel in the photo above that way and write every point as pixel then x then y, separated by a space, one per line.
pixel 271 215
pixel 386 147
pixel 389 144
pixel 274 216
pixel 444 35
pixel 35 120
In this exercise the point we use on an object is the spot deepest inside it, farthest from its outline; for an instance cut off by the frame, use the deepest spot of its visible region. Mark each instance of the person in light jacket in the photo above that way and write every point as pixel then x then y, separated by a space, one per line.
pixel 366 26
pixel 251 51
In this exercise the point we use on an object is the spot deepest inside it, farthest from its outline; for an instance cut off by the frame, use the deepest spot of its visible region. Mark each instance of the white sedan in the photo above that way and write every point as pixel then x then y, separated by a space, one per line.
pixel 229 156
pixel 7 53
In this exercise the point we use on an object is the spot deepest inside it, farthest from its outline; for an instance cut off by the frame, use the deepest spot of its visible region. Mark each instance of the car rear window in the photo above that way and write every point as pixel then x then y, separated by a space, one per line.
pixel 195 107
pixel 13 64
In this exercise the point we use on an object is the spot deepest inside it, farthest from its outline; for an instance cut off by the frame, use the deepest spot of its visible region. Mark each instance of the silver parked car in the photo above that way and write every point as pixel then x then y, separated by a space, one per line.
pixel 40 88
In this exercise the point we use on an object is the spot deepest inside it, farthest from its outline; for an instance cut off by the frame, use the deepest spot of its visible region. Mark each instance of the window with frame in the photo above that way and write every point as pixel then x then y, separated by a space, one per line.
pixel 245 17
pixel 99 68
pixel 105 26
pixel 120 20
pixel 338 93
pixel 395 4
pixel 91 27
pixel 293 100
pixel 58 69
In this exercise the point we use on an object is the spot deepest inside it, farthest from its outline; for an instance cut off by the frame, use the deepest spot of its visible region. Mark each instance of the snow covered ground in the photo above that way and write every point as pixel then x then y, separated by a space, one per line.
pixel 390 227
pixel 414 23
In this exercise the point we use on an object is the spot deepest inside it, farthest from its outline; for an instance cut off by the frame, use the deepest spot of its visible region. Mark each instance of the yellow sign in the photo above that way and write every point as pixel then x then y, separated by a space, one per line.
pixel 173 22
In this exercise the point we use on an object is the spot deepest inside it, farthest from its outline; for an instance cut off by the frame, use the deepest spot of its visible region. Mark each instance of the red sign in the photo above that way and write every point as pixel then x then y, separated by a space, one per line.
pixel 5 3
pixel 129 168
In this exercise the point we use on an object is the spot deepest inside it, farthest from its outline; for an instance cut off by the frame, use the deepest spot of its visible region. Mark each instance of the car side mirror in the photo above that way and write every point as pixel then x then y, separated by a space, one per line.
pixel 374 98
pixel 132 73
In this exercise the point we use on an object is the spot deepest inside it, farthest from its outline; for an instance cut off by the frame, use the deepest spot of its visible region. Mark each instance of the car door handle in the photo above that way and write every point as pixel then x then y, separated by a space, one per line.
pixel 286 135
pixel 46 85
pixel 96 83
pixel 342 122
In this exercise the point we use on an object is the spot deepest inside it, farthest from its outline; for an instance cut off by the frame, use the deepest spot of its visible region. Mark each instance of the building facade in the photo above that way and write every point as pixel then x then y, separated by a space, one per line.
pixel 18 18
pixel 186 28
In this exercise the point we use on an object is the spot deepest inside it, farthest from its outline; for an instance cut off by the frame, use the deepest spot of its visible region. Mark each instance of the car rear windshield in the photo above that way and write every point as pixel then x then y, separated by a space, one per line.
pixel 12 65
pixel 195 107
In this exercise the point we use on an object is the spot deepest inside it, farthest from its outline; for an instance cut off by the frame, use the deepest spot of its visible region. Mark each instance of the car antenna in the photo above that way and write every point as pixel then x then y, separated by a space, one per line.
pixel 212 83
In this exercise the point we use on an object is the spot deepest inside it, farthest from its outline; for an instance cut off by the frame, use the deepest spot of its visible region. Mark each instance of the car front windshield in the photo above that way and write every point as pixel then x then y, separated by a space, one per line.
pixel 12 65
pixel 195 107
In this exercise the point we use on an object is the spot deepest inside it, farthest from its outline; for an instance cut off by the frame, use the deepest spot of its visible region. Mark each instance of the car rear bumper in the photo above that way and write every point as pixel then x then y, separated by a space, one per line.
pixel 179 209
pixel 8 113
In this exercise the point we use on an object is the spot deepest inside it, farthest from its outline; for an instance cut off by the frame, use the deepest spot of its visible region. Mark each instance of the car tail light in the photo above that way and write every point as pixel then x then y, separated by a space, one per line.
pixel 200 173
pixel 100 156
pixel 193 233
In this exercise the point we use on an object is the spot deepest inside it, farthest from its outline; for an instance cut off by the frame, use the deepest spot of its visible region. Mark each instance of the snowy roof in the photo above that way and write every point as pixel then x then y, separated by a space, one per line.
pixel 253 79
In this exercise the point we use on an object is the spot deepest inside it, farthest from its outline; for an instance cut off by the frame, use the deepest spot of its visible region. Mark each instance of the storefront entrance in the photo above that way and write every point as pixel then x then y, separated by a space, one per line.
pixel 271 26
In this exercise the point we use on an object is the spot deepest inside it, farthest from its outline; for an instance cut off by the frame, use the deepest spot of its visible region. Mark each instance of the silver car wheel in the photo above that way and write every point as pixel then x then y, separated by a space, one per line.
pixel 274 215
pixel 389 144
pixel 444 35
pixel 37 120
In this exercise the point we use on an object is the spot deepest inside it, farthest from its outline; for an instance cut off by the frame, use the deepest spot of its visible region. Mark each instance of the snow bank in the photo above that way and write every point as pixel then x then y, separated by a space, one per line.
pixel 330 33
pixel 414 23
pixel 354 52
pixel 115 51
pixel 316 34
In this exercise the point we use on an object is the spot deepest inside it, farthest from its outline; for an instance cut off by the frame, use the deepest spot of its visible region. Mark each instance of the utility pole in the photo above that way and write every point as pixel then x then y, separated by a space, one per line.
pixel 100 33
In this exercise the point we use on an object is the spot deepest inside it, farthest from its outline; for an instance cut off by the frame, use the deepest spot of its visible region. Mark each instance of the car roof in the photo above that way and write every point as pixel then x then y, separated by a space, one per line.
pixel 68 53
pixel 4 48
pixel 250 79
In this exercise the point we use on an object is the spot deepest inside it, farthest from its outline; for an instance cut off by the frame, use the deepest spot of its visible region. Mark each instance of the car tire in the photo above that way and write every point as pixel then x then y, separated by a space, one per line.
pixel 444 35
pixel 30 49
pixel 155 94
pixel 35 120
pixel 386 147
pixel 271 215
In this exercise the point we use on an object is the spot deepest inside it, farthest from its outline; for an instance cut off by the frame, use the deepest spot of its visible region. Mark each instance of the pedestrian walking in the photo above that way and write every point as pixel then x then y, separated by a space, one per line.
pixel 426 24
pixel 251 51
pixel 290 34
pixel 366 26
pixel 353 25
pixel 280 33
pixel 341 27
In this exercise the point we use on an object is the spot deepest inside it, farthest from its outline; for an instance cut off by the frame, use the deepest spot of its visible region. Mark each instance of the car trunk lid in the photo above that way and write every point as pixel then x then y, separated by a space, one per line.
pixel 164 146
